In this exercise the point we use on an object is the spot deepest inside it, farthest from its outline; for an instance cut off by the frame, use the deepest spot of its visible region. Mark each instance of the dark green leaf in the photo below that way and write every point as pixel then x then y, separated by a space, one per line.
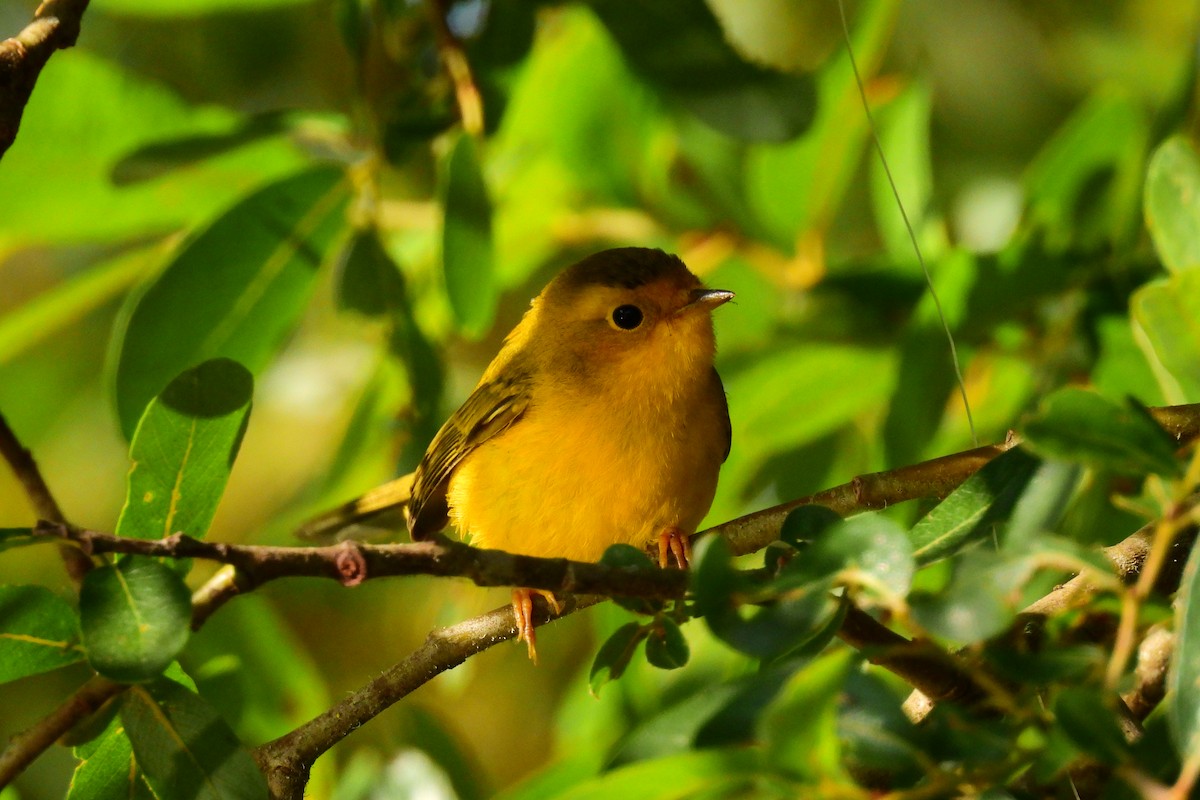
pixel 799 729
pixel 666 647
pixel 778 627
pixel 157 159
pixel 20 537
pixel 677 46
pixel 184 747
pixel 1041 505
pixel 1172 211
pixel 135 618
pixel 234 290
pixel 674 728
pixel 1089 718
pixel 1168 313
pixel 183 451
pixel 38 632
pixel 1183 681
pixel 878 740
pixel 467 252
pixel 1081 426
pixel 807 523
pixel 368 280
pixel 614 655
pixel 972 511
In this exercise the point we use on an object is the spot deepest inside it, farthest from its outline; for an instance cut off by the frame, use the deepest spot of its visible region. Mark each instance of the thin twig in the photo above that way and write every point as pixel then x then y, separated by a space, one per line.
pixel 55 26
pixel 20 460
pixel 466 92
pixel 27 745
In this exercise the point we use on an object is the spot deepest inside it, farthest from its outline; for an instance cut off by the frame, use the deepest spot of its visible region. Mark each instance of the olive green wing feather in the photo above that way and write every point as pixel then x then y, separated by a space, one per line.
pixel 492 408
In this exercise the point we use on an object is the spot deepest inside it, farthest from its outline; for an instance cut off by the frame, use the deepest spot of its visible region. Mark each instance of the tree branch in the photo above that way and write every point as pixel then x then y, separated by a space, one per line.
pixel 55 26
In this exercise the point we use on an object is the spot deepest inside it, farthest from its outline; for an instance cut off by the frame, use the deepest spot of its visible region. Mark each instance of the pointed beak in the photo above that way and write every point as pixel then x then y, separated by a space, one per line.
pixel 707 299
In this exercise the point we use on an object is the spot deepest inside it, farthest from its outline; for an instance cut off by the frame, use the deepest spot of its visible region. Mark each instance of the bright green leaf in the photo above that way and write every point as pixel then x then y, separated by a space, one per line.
pixel 672 778
pixel 39 631
pixel 234 290
pixel 467 251
pixel 1081 426
pixel 109 772
pixel 971 512
pixel 1183 679
pixel 1167 315
pixel 184 747
pixel 1173 203
pixel 871 545
pixel 183 451
pixel 135 618
pixel 799 729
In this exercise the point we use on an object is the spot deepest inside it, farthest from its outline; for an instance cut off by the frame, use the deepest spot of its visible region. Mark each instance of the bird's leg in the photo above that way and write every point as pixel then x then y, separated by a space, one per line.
pixel 674 542
pixel 522 605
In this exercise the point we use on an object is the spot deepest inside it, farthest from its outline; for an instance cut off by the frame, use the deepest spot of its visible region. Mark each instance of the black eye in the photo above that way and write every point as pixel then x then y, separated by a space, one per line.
pixel 627 317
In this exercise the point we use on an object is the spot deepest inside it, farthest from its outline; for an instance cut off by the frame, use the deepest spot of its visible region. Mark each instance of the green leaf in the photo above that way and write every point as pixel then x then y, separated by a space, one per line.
pixel 184 747
pixel 807 524
pixel 674 729
pixel 467 250
pixel 1183 680
pixel 799 729
pixel 1172 204
pixel 109 772
pixel 183 451
pixel 1081 426
pixel 980 601
pixel 1088 717
pixel 135 618
pixel 870 544
pixel 20 537
pixel 614 655
pixel 234 290
pixel 678 47
pixel 779 627
pixel 971 512
pixel 368 280
pixel 39 631
pixel 666 647
pixel 674 777
pixel 1167 315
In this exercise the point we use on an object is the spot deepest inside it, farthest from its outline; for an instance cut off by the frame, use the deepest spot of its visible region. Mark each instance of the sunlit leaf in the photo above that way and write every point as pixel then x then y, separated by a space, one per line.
pixel 109 772
pixel 39 631
pixel 1167 314
pixel 183 451
pixel 467 252
pixel 184 747
pixel 973 511
pixel 672 778
pixel 1173 203
pixel 1183 679
pixel 135 617
pixel 1081 426
pixel 235 290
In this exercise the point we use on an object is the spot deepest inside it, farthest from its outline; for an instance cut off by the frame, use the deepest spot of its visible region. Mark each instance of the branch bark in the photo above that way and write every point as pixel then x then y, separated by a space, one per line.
pixel 55 26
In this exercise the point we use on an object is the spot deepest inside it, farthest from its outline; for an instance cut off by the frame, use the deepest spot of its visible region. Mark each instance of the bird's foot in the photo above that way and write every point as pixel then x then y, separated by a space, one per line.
pixel 676 543
pixel 522 605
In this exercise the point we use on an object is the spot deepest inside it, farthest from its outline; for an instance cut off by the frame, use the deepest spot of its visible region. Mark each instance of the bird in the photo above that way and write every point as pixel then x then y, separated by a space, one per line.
pixel 602 420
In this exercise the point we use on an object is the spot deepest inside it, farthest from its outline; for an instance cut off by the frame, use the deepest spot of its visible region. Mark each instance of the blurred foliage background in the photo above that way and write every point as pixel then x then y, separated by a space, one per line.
pixel 730 132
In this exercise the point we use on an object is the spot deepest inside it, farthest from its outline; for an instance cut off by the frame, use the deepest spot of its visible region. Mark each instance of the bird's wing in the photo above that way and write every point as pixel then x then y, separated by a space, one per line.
pixel 491 409
pixel 727 426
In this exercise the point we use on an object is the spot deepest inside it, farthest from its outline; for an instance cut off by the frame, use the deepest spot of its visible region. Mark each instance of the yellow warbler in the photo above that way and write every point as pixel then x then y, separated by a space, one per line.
pixel 600 421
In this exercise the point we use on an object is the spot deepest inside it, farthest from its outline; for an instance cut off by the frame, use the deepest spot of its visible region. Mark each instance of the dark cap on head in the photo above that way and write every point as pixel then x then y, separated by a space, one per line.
pixel 624 267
